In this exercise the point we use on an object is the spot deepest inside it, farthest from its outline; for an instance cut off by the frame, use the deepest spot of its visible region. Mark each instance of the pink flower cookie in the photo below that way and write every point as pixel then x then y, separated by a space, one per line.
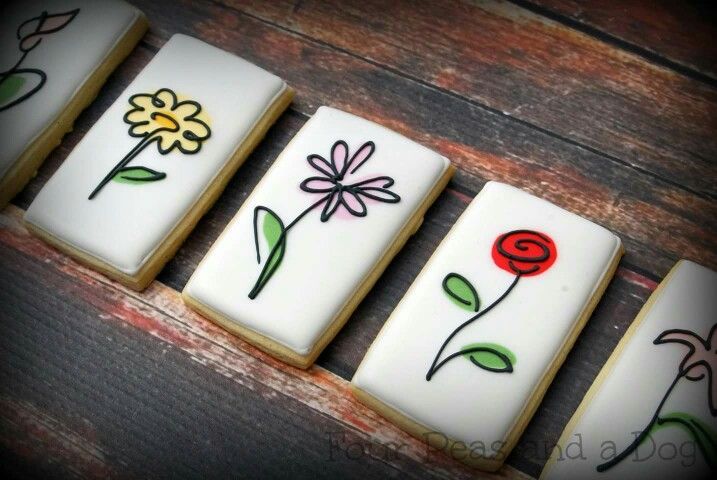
pixel 313 237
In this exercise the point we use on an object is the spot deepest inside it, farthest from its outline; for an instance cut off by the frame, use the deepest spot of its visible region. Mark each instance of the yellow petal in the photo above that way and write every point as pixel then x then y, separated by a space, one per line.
pixel 136 116
pixel 166 140
pixel 168 99
pixel 189 146
pixel 139 130
pixel 184 110
pixel 142 101
pixel 198 128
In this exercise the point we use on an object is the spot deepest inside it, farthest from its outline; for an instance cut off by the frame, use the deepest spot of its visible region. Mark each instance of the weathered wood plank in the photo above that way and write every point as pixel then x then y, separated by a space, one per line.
pixel 81 344
pixel 344 353
pixel 91 368
pixel 46 444
pixel 681 32
pixel 660 220
pixel 539 71
pixel 94 305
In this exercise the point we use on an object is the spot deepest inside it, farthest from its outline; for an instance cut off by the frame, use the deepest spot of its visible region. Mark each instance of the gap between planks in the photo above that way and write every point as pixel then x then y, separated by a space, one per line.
pixel 160 312
pixel 297 25
pixel 558 171
pixel 652 55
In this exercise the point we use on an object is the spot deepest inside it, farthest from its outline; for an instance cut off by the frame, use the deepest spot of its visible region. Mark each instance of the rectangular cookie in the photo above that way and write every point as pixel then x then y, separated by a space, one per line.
pixel 131 191
pixel 54 57
pixel 652 410
pixel 468 353
pixel 316 233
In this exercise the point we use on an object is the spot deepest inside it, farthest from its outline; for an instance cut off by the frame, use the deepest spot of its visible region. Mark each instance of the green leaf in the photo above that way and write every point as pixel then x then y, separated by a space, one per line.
pixel 10 87
pixel 138 175
pixel 461 292
pixel 490 356
pixel 703 435
pixel 274 234
pixel 272 228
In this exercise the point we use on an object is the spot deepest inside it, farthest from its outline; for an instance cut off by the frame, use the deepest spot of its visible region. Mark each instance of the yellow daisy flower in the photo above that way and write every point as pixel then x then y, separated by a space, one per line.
pixel 173 123
pixel 158 117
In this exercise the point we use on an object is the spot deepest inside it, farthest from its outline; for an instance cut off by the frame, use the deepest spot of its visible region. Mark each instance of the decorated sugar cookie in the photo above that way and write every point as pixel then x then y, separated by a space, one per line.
pixel 19 82
pixel 160 155
pixel 54 57
pixel 523 253
pixel 338 187
pixel 652 410
pixel 316 233
pixel 466 355
pixel 158 118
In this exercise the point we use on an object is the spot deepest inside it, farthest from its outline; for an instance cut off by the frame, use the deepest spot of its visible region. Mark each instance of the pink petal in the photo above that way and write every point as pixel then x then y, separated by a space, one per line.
pixel 45 26
pixel 693 370
pixel 339 155
pixel 28 43
pixel 331 205
pixel 684 337
pixel 321 165
pixel 376 182
pixel 353 204
pixel 380 194
pixel 58 21
pixel 317 185
pixel 362 155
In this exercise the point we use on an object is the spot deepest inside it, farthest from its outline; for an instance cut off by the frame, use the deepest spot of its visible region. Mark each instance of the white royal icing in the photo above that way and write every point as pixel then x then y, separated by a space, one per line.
pixel 324 262
pixel 124 224
pixel 637 378
pixel 463 402
pixel 67 56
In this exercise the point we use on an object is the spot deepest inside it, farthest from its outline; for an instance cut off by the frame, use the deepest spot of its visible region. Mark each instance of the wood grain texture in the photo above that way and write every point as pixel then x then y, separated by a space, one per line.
pixel 642 209
pixel 639 209
pixel 613 316
pixel 681 32
pixel 98 381
pixel 690 220
pixel 513 61
pixel 199 390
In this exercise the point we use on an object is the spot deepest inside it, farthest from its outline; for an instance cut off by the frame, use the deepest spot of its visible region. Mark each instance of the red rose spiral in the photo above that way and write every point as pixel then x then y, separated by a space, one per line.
pixel 524 252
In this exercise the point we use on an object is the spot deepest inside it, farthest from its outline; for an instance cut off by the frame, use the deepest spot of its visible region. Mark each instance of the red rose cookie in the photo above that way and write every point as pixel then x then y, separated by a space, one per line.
pixel 471 348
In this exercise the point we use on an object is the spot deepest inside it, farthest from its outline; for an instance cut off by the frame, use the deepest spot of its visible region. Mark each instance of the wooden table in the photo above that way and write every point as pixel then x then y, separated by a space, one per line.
pixel 607 109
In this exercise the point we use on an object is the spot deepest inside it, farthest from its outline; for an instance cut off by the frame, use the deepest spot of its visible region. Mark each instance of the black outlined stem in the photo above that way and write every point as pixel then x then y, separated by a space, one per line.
pixel 280 242
pixel 644 433
pixel 7 73
pixel 14 71
pixel 435 366
pixel 123 163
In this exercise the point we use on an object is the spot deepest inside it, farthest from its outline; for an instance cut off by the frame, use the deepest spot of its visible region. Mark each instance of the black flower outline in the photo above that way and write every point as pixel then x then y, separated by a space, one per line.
pixel 30 34
pixel 158 117
pixel 699 362
pixel 172 123
pixel 334 191
pixel 332 182
pixel 506 259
